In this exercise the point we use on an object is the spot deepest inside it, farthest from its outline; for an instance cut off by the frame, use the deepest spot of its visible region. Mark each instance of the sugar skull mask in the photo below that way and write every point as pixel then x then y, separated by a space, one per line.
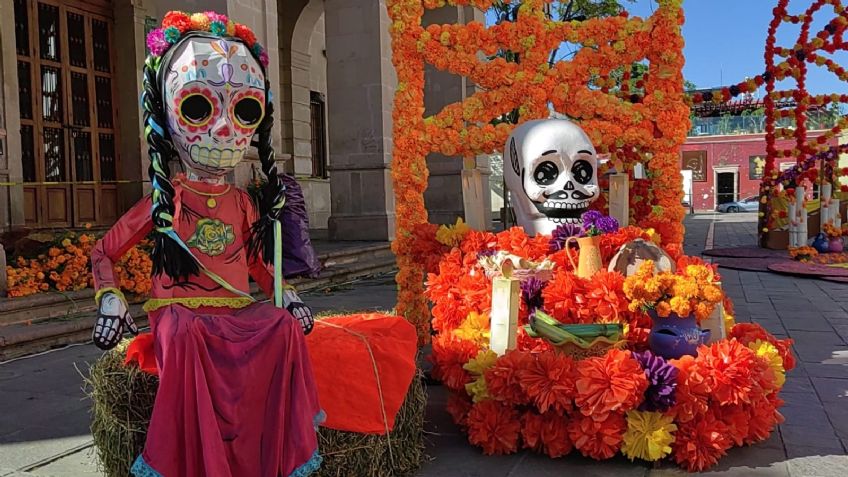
pixel 550 169
pixel 214 92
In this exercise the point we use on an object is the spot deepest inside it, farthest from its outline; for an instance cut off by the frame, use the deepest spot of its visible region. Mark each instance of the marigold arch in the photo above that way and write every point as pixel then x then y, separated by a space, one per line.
pixel 646 124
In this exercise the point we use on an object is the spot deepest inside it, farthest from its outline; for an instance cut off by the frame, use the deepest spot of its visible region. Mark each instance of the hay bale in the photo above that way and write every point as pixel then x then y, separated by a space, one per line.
pixel 122 402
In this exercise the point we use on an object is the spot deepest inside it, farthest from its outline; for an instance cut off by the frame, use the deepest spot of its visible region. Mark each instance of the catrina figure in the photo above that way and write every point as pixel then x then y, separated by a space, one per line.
pixel 236 395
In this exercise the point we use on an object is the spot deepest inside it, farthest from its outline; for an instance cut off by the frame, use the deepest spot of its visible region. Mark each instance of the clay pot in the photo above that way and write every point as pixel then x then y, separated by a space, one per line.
pixel 675 336
pixel 821 243
pixel 835 245
pixel 589 262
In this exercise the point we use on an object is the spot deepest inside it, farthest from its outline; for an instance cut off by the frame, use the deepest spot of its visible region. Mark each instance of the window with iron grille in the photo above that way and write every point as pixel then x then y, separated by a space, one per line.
pixel 319 134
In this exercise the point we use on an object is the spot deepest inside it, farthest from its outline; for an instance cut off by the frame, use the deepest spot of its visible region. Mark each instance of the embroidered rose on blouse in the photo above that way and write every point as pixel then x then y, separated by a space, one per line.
pixel 212 236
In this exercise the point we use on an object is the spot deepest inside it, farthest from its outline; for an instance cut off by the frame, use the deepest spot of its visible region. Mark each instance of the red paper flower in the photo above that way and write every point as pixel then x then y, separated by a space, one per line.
pixel 548 380
pixel 700 443
pixel 449 355
pixel 516 242
pixel 458 406
pixel 525 342
pixel 246 35
pixel 693 390
pixel 531 430
pixel 735 417
pixel 749 332
pixel 555 438
pixel 762 417
pixel 614 382
pixel 504 378
pixel 605 297
pixel 728 366
pixel 476 242
pixel 493 427
pixel 599 439
pixel 179 20
pixel 564 298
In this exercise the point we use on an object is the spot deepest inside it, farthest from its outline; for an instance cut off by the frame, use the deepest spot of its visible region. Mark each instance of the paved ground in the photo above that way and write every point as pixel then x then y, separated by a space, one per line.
pixel 44 422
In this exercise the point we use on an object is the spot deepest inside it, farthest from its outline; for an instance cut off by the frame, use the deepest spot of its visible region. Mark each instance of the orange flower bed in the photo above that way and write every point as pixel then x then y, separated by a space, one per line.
pixel 66 266
pixel 645 127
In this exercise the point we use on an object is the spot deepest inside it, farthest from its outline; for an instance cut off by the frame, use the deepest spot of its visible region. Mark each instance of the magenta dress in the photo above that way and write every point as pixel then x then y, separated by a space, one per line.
pixel 236 394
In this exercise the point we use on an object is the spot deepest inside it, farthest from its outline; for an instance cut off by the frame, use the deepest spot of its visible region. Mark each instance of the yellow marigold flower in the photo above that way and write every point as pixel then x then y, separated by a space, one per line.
pixel 649 435
pixel 663 309
pixel 475 328
pixel 768 352
pixel 484 360
pixel 712 293
pixel 477 389
pixel 452 235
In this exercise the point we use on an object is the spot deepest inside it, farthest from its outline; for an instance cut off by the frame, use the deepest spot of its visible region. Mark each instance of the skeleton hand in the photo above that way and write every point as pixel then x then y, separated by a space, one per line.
pixel 112 316
pixel 301 312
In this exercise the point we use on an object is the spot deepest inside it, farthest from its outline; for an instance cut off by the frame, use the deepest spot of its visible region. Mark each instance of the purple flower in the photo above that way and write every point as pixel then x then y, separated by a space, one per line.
pixel 531 293
pixel 156 43
pixel 589 218
pixel 607 224
pixel 561 234
pixel 486 253
pixel 662 382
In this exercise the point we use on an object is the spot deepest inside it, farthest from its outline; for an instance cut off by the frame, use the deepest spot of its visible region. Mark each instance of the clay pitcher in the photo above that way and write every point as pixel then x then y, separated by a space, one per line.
pixel 589 261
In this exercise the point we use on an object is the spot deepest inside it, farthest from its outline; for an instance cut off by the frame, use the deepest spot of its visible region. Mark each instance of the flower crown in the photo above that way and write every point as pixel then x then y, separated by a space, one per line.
pixel 176 24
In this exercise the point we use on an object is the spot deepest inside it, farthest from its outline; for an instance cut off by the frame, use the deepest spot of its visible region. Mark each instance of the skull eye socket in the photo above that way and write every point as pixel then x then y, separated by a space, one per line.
pixel 546 173
pixel 248 112
pixel 196 109
pixel 582 171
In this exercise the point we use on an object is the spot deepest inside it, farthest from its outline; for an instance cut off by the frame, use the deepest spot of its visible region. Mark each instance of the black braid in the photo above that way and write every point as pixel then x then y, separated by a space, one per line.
pixel 272 193
pixel 168 256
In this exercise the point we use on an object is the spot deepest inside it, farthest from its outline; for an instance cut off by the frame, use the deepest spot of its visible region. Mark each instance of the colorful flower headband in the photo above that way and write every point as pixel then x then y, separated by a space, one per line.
pixel 176 24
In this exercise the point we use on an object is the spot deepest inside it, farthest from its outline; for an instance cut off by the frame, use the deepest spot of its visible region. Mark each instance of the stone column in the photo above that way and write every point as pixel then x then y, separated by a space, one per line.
pixel 11 168
pixel 444 195
pixel 360 88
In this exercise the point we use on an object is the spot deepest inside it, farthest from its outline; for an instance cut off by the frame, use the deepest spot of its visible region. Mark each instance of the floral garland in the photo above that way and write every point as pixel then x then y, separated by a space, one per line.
pixel 794 65
pixel 628 400
pixel 647 129
pixel 177 24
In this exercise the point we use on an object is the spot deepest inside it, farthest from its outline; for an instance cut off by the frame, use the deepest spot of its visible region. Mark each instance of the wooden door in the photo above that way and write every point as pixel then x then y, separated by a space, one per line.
pixel 68 127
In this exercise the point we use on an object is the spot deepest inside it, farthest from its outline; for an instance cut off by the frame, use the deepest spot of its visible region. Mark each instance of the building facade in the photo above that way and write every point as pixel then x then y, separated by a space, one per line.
pixel 726 151
pixel 71 145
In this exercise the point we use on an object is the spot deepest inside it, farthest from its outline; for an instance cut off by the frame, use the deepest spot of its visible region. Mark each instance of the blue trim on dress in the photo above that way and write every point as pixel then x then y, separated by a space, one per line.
pixel 308 467
pixel 142 469
pixel 319 419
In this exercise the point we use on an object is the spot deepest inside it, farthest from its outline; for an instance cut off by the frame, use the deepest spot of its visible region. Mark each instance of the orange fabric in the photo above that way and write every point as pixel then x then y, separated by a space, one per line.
pixel 344 373
pixel 140 351
pixel 343 368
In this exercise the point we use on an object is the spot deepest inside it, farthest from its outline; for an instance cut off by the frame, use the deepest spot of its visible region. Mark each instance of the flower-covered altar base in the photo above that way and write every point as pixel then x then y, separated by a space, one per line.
pixel 615 395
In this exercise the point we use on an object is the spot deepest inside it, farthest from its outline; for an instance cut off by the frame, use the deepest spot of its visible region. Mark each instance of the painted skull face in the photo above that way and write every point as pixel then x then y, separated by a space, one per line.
pixel 214 93
pixel 550 168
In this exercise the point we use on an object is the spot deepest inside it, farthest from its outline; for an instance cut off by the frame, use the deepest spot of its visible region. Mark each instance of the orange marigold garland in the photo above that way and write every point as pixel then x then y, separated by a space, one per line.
pixel 648 129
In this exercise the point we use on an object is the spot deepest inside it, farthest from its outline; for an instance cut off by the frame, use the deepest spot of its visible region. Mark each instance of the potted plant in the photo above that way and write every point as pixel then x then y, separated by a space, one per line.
pixel 677 303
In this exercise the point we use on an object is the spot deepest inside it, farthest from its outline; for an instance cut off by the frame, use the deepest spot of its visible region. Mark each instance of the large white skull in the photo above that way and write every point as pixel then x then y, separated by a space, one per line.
pixel 550 169
pixel 214 93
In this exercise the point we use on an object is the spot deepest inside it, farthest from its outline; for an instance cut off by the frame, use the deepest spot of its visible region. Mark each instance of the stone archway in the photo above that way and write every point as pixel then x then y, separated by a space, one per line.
pixel 297 20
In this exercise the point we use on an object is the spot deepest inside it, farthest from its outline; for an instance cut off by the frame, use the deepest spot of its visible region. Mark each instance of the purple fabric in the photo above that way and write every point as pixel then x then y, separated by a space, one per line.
pixel 299 258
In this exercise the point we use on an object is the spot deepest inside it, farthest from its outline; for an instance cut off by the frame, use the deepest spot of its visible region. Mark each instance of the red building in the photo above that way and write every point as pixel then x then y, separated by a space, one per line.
pixel 726 151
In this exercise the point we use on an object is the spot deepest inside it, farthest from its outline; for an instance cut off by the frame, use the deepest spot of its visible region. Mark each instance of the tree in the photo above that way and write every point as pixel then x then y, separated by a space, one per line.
pixel 560 10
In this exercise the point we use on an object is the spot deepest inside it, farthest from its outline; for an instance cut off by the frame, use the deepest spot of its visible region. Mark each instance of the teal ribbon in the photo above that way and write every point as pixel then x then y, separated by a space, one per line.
pixel 278 264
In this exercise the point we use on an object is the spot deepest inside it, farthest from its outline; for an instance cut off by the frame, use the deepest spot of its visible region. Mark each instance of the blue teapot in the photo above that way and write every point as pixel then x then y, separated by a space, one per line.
pixel 821 243
pixel 674 337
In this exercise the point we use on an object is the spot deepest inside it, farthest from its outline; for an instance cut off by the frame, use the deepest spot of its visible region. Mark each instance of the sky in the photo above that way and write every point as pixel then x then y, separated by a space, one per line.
pixel 725 41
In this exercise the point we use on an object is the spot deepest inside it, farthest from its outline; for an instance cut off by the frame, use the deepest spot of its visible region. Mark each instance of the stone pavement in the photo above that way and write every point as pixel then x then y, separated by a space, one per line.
pixel 44 423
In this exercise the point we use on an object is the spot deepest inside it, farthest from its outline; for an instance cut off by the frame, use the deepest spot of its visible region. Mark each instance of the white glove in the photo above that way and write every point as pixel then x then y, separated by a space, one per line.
pixel 112 316
pixel 301 312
